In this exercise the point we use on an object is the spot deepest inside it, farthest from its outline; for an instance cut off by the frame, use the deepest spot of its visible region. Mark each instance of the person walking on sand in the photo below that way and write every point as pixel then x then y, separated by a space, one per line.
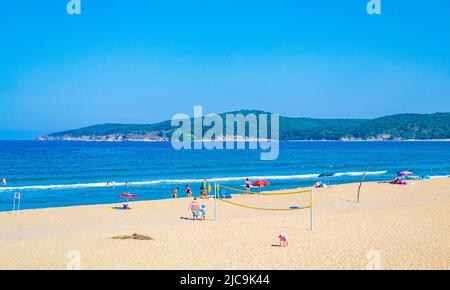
pixel 195 209
pixel 283 239
pixel 247 185
pixel 188 191
pixel 175 193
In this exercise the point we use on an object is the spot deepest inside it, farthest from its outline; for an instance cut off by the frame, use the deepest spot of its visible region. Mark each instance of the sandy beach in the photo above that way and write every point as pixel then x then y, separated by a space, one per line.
pixel 393 227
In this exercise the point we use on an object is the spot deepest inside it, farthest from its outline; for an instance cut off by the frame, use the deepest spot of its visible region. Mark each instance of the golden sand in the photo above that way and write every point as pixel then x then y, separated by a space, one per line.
pixel 393 227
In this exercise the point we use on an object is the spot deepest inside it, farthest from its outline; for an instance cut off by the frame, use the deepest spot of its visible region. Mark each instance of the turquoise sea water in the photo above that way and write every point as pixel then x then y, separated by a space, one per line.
pixel 53 174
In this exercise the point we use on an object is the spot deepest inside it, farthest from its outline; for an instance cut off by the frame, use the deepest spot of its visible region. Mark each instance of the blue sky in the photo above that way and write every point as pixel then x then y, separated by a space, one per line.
pixel 144 61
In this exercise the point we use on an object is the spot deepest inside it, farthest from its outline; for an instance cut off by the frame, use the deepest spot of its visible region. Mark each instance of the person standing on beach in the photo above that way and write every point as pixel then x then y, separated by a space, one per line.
pixel 203 212
pixel 188 191
pixel 194 207
pixel 203 188
pixel 175 193
pixel 283 239
pixel 247 185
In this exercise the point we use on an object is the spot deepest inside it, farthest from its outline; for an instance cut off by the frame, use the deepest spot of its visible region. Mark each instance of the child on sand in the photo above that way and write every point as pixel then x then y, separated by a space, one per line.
pixel 283 239
pixel 195 209
pixel 203 212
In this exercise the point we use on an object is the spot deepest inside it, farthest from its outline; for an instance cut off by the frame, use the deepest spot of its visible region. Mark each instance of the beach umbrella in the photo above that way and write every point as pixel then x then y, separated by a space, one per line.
pixel 405 173
pixel 327 175
pixel 260 183
pixel 128 196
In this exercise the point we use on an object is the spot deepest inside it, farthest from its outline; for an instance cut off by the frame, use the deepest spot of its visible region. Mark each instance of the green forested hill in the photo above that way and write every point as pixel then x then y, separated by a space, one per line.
pixel 407 126
pixel 394 127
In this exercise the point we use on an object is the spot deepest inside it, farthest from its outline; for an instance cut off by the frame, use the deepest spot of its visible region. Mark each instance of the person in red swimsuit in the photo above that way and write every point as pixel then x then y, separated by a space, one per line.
pixel 188 191
pixel 283 239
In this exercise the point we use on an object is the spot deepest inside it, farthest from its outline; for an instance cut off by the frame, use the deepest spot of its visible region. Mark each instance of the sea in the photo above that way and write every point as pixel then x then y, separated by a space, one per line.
pixel 60 174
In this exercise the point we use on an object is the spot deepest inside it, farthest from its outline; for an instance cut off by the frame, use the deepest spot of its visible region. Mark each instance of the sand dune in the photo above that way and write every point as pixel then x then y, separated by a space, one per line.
pixel 393 227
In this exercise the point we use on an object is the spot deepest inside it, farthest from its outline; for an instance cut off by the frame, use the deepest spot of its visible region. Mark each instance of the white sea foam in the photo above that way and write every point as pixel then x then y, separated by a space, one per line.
pixel 360 173
pixel 182 181
pixel 439 176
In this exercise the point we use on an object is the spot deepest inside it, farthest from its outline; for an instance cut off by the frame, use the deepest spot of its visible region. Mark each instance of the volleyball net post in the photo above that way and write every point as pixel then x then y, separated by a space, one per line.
pixel 215 201
pixel 311 208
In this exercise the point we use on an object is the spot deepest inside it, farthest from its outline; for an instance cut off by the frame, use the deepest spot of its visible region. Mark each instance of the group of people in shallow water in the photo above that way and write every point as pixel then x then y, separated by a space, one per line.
pixel 113 184
pixel 188 192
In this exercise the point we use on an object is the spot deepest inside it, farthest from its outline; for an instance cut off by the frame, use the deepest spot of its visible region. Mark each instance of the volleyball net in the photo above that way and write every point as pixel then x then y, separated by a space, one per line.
pixel 303 192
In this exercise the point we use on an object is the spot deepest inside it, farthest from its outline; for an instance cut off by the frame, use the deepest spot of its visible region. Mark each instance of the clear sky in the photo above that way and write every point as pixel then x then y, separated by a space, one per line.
pixel 144 61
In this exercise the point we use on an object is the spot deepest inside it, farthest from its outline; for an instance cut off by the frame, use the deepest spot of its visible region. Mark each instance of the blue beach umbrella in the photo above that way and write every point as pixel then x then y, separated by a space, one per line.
pixel 327 176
